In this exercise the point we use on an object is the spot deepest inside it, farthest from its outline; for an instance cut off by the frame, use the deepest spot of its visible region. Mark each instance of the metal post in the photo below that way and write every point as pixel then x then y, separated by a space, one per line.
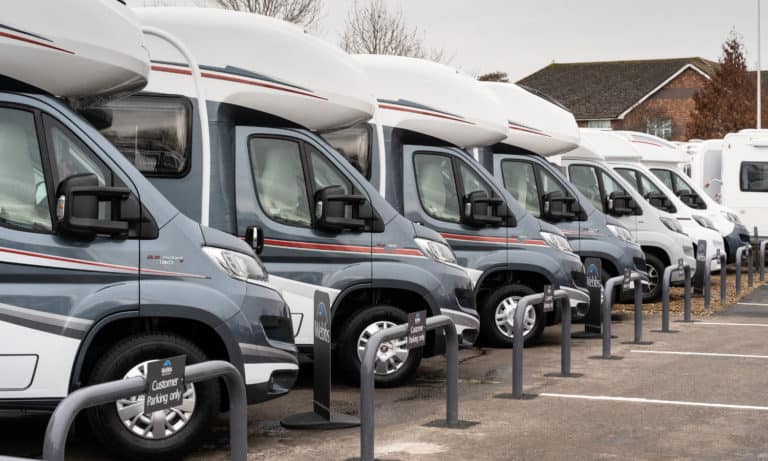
pixel 687 294
pixel 708 283
pixel 723 278
pixel 638 309
pixel 565 339
pixel 739 256
pixel 367 378
pixel 763 243
pixel 607 306
pixel 750 267
pixel 665 283
pixel 100 394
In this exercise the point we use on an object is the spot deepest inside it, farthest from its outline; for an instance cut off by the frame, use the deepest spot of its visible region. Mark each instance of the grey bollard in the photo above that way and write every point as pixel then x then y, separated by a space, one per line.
pixel 610 285
pixel 637 278
pixel 739 257
pixel 708 282
pixel 100 394
pixel 750 268
pixel 368 381
pixel 723 278
pixel 665 286
pixel 687 294
pixel 763 243
pixel 565 339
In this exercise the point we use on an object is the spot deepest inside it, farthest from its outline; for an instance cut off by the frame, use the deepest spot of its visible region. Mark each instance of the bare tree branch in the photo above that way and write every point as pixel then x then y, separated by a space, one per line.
pixel 199 3
pixel 303 12
pixel 373 29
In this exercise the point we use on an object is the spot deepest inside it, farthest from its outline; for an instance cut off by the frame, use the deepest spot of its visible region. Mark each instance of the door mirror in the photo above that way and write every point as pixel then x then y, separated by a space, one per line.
pixel 254 237
pixel 77 209
pixel 621 204
pixel 336 211
pixel 660 201
pixel 480 210
pixel 558 207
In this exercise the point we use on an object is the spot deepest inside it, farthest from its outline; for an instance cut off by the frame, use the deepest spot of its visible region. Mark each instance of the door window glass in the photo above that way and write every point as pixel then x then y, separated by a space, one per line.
pixel 324 174
pixel 436 185
pixel 551 184
pixel 666 177
pixel 629 176
pixel 279 179
pixel 585 179
pixel 610 185
pixel 471 181
pixel 520 181
pixel 647 185
pixel 23 192
pixel 354 143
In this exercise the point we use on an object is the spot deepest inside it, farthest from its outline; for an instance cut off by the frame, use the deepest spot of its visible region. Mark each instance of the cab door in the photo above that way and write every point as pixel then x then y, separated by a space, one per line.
pixel 52 287
pixel 438 182
pixel 278 176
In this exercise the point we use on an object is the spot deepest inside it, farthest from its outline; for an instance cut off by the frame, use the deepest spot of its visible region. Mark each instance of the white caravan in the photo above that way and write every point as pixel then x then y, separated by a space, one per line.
pixel 745 177
pixel 660 235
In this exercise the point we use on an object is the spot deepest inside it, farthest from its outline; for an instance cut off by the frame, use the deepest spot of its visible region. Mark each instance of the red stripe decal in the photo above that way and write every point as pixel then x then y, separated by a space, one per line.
pixel 647 142
pixel 478 238
pixel 421 112
pixel 171 70
pixel 527 130
pixel 95 264
pixel 342 248
pixel 34 42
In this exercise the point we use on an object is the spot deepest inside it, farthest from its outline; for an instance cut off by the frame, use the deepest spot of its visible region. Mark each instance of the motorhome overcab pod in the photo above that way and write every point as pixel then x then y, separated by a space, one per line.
pixel 660 235
pixel 427 115
pixel 537 130
pixel 101 274
pixel 326 230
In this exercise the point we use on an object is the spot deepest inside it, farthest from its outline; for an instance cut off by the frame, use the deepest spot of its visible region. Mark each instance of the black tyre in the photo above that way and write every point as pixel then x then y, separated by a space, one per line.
pixel 655 268
pixel 395 364
pixel 124 429
pixel 493 313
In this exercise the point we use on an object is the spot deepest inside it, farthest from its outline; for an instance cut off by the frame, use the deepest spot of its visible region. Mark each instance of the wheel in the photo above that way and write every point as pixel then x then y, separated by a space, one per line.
pixel 493 316
pixel 395 364
pixel 125 429
pixel 655 268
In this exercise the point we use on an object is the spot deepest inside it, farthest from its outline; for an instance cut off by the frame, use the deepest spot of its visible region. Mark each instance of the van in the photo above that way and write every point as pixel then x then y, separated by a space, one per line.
pixel 744 177
pixel 100 273
pixel 537 130
pixel 326 230
pixel 415 150
pixel 659 234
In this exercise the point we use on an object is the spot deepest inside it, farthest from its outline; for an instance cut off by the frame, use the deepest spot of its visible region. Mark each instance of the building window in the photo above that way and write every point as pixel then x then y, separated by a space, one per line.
pixel 661 127
pixel 599 124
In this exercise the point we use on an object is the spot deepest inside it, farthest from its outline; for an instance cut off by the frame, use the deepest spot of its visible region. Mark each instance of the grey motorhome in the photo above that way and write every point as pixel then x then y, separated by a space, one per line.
pixel 427 114
pixel 325 228
pixel 539 129
pixel 99 273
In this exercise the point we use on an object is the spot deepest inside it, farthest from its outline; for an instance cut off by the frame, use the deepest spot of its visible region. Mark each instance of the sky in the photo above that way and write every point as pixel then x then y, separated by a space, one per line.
pixel 520 37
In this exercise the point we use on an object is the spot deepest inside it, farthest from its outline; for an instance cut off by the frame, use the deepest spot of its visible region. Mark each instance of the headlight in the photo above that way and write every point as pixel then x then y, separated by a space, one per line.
pixel 237 265
pixel 621 233
pixel 557 241
pixel 436 250
pixel 673 225
pixel 732 217
pixel 704 221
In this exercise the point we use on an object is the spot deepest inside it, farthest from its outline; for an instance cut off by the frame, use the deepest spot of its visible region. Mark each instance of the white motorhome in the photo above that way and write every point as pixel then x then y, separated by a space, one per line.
pixel 660 235
pixel 744 177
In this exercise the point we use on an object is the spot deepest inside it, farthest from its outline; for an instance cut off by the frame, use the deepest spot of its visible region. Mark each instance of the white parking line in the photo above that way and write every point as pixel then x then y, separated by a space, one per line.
pixel 654 401
pixel 752 304
pixel 732 324
pixel 702 354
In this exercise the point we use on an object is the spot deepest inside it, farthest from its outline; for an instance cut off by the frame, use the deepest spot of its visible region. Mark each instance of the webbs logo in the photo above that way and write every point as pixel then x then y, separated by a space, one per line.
pixel 323 324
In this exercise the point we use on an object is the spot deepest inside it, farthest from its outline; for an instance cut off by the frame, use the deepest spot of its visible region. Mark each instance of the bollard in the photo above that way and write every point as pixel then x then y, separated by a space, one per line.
pixel 763 243
pixel 607 306
pixel 723 278
pixel 517 338
pixel 666 284
pixel 708 282
pixel 750 270
pixel 638 310
pixel 368 381
pixel 687 294
pixel 739 257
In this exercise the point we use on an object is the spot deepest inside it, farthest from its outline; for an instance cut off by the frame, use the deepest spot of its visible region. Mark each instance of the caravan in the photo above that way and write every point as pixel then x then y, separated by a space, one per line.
pixel 100 273
pixel 326 229
pixel 427 115
pixel 540 129
pixel 744 186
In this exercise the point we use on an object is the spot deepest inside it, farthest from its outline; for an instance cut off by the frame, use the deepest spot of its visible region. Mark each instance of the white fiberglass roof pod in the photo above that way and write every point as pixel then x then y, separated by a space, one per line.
pixel 433 99
pixel 604 146
pixel 656 151
pixel 260 63
pixel 91 49
pixel 534 123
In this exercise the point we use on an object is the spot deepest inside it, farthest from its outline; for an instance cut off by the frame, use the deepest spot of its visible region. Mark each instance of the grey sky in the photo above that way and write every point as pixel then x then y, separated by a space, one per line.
pixel 520 37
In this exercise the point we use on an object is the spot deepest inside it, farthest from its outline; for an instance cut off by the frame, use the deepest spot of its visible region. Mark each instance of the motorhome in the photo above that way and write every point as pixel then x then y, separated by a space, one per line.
pixel 415 154
pixel 694 223
pixel 667 164
pixel 706 165
pixel 539 129
pixel 659 234
pixel 326 229
pixel 100 273
pixel 744 178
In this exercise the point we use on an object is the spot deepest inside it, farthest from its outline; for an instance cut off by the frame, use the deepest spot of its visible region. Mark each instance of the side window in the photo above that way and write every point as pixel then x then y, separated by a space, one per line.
pixel 585 179
pixel 666 177
pixel 629 176
pixel 551 184
pixel 324 174
pixel 520 181
pixel 23 193
pixel 753 177
pixel 153 132
pixel 610 185
pixel 436 185
pixel 471 181
pixel 648 185
pixel 354 143
pixel 279 179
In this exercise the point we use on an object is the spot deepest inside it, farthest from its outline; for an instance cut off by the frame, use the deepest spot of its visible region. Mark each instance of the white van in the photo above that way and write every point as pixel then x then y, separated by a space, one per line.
pixel 660 235
pixel 745 177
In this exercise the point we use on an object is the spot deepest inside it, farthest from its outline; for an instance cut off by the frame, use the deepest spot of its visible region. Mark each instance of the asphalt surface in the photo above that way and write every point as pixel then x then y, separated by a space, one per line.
pixel 666 400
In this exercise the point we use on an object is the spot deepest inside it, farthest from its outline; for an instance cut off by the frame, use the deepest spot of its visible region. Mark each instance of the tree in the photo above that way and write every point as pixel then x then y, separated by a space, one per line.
pixel 199 3
pixel 496 76
pixel 726 103
pixel 303 12
pixel 372 28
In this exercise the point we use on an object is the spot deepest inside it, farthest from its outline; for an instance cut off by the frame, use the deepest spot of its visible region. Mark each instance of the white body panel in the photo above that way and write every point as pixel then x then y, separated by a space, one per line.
pixel 750 206
pixel 534 123
pixel 300 297
pixel 433 99
pixel 295 86
pixel 61 56
pixel 707 166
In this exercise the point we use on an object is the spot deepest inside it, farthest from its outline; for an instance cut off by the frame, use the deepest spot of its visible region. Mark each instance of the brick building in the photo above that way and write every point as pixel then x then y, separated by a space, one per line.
pixel 652 96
